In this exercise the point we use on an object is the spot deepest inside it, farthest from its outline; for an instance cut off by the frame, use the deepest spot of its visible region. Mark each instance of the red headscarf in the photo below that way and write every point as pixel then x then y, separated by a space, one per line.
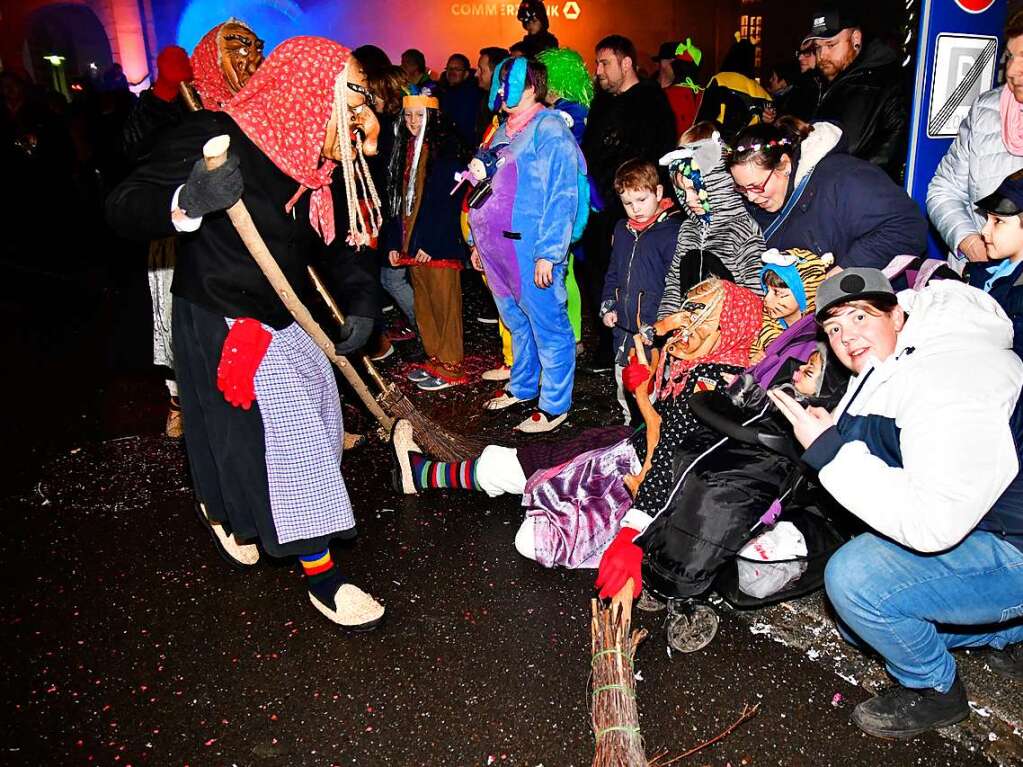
pixel 739 325
pixel 284 110
pixel 209 78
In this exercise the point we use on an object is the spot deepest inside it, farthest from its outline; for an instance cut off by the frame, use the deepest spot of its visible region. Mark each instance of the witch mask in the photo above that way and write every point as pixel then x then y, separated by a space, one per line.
pixel 240 53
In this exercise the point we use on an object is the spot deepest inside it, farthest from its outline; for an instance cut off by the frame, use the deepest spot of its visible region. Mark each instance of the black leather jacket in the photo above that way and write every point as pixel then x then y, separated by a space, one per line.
pixel 868 101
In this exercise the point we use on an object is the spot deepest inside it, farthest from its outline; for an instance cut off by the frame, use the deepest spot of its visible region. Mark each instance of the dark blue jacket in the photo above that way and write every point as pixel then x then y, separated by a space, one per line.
pixel 1008 292
pixel 639 263
pixel 461 103
pixel 849 208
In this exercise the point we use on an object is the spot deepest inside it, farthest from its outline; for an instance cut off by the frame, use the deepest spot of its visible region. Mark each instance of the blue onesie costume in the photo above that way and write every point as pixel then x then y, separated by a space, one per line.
pixel 530 216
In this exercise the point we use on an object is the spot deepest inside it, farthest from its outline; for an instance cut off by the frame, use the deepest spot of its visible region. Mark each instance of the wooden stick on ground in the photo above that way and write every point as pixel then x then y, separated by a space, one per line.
pixel 650 417
pixel 214 154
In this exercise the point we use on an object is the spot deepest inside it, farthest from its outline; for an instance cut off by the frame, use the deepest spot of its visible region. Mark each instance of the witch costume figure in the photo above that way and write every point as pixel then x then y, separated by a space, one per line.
pixel 523 216
pixel 423 233
pixel 260 399
pixel 221 64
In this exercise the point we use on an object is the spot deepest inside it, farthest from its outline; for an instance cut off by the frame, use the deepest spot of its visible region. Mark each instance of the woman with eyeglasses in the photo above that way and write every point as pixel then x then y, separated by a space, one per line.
pixel 805 191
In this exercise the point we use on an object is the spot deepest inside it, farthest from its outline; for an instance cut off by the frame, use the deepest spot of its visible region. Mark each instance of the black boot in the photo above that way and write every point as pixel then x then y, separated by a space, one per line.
pixel 1007 662
pixel 903 713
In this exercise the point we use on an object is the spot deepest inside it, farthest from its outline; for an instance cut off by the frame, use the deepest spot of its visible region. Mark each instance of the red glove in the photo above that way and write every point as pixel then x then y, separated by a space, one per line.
pixel 172 68
pixel 244 347
pixel 622 560
pixel 634 375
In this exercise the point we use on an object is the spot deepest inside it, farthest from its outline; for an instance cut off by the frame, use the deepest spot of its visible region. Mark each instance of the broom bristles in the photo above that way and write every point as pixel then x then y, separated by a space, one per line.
pixel 434 439
pixel 614 714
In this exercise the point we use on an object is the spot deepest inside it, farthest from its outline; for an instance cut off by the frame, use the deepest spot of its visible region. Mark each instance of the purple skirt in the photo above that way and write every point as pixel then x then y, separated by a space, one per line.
pixel 576 507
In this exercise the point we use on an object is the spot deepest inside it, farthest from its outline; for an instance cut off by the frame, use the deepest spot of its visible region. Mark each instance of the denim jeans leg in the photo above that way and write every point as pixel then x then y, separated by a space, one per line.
pixel 395 282
pixel 912 607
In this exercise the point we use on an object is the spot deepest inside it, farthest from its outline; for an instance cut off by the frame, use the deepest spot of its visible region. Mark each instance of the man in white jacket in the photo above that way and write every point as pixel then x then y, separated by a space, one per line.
pixel 924 449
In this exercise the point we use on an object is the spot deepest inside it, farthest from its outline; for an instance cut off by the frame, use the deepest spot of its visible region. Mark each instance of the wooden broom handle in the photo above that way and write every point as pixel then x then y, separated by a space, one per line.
pixel 214 154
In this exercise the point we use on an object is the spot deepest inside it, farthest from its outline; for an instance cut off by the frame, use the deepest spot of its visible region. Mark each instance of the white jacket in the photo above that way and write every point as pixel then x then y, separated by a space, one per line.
pixel 974 166
pixel 939 410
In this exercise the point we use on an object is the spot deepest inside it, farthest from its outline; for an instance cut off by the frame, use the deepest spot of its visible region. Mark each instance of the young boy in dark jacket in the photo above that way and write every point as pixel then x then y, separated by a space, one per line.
pixel 642 249
pixel 1002 274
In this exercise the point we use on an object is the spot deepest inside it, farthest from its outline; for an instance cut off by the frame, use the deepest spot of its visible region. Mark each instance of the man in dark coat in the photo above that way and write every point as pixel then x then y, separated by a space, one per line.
pixel 629 119
pixel 863 90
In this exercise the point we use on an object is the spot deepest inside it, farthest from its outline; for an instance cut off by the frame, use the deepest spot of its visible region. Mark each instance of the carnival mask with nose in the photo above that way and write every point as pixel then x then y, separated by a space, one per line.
pixel 240 52
pixel 363 129
pixel 699 322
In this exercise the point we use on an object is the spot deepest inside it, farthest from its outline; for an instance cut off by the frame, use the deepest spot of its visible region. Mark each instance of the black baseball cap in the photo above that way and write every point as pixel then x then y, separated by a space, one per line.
pixel 829 20
pixel 1006 200
pixel 666 51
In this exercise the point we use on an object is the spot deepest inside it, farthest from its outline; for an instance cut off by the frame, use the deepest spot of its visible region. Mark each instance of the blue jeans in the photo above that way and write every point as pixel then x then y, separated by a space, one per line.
pixel 912 608
pixel 395 282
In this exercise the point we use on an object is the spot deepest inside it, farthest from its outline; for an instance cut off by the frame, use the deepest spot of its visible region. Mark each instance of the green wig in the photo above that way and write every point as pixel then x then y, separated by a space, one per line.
pixel 567 76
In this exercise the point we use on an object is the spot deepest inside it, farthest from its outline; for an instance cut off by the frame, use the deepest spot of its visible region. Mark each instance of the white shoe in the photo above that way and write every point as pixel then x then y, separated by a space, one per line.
pixel 241 556
pixel 353 608
pixel 500 373
pixel 501 402
pixel 403 441
pixel 539 422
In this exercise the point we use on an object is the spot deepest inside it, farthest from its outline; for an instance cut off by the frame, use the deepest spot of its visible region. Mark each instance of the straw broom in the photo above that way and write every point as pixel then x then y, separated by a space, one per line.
pixel 429 435
pixel 614 714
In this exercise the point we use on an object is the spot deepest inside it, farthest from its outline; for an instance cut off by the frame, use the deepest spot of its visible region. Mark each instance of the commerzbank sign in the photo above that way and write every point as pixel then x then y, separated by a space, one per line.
pixel 568 10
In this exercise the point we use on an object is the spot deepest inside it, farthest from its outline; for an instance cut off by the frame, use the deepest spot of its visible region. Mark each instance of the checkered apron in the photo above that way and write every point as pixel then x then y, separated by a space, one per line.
pixel 303 431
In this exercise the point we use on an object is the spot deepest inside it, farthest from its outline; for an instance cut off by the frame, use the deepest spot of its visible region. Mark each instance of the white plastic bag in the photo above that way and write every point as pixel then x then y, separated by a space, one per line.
pixel 761 573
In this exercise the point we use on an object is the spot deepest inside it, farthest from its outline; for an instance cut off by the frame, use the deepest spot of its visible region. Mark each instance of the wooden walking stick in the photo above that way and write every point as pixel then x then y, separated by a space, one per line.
pixel 214 154
pixel 650 417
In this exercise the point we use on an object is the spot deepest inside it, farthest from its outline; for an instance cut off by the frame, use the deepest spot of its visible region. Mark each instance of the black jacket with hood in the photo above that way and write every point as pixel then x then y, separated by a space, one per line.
pixel 868 101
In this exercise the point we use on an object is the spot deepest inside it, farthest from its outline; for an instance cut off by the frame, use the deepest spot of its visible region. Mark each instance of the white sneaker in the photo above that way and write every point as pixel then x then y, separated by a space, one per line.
pixel 539 422
pixel 500 373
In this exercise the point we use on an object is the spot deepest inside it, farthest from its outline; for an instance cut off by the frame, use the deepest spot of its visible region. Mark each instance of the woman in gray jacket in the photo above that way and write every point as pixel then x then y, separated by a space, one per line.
pixel 989 147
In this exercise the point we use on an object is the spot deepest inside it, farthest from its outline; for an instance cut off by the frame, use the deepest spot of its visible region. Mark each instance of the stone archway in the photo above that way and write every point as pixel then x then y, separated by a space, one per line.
pixel 71 31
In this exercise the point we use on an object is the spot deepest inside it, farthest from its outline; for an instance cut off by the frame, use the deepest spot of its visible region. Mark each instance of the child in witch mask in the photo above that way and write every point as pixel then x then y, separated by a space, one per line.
pixel 423 232
pixel 718 238
pixel 790 281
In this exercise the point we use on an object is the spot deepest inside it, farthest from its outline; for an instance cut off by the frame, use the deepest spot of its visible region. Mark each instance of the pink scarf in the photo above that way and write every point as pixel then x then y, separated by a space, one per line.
pixel 519 120
pixel 1012 122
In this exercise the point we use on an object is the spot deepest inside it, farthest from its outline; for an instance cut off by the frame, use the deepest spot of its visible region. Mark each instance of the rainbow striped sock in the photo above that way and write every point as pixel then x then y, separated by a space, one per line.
pixel 426 473
pixel 322 576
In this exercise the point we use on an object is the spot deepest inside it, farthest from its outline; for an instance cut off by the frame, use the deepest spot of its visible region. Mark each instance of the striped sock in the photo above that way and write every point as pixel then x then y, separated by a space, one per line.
pixel 426 473
pixel 322 576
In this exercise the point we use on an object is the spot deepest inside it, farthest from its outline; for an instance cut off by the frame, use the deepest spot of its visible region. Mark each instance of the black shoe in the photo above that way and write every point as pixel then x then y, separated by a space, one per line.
pixel 1007 662
pixel 904 713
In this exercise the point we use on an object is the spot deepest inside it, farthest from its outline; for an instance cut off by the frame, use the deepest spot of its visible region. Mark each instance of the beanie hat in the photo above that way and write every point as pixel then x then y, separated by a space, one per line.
pixel 172 69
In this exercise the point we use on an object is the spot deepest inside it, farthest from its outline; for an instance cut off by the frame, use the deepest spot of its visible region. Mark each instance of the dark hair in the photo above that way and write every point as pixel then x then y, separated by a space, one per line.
pixel 494 54
pixel 1014 26
pixel 519 48
pixel 680 70
pixel 416 57
pixel 536 75
pixel 773 280
pixel 636 174
pixel 786 69
pixel 741 58
pixel 766 144
pixel 461 58
pixel 374 61
pixel 698 132
pixel 620 46
pixel 881 304
pixel 390 87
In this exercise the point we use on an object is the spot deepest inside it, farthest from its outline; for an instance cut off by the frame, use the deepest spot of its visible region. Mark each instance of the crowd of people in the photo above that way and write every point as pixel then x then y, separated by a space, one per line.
pixel 787 362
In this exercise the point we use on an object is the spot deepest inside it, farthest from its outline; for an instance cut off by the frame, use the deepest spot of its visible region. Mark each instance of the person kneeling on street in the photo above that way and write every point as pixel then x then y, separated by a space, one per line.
pixel 930 461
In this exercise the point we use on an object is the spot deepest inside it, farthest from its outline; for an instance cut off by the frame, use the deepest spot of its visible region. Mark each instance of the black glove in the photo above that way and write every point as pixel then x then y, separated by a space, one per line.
pixel 354 334
pixel 208 191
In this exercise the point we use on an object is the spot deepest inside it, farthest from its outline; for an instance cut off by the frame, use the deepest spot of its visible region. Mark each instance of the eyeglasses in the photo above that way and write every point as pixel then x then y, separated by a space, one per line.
pixel 751 189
